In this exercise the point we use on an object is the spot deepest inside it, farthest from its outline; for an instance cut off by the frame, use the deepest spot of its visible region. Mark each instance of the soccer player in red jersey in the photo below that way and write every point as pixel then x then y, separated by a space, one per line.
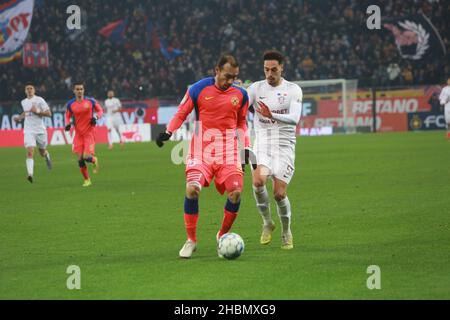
pixel 221 112
pixel 85 111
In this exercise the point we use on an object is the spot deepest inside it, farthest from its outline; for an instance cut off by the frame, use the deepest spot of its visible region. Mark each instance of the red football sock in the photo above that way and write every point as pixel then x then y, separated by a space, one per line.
pixel 448 135
pixel 190 221
pixel 84 172
pixel 228 220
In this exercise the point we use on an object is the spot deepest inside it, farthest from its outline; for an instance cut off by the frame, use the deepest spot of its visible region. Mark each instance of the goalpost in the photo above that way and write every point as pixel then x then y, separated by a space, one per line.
pixel 330 90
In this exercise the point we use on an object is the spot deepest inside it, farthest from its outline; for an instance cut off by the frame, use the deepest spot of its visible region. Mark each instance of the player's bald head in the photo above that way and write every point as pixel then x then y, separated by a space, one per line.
pixel 227 71
pixel 227 59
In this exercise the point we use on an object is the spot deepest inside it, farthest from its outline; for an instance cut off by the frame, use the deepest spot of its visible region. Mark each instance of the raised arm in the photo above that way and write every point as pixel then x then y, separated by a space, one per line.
pixel 19 118
pixel 184 109
pixel 45 109
pixel 295 109
pixel 98 109
pixel 68 115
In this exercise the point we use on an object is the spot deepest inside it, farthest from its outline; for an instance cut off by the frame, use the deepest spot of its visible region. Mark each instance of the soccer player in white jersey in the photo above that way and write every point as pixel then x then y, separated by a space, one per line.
pixel 278 106
pixel 35 133
pixel 114 119
pixel 444 99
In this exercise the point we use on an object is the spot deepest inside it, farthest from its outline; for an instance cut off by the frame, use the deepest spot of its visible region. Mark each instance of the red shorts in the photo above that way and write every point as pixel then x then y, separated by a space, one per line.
pixel 226 177
pixel 84 143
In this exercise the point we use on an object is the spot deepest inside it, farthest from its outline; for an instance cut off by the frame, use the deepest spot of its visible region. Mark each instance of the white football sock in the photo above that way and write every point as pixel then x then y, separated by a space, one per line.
pixel 262 203
pixel 30 165
pixel 284 212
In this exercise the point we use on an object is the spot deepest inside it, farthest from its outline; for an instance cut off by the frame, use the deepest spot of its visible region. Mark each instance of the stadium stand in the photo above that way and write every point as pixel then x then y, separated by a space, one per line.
pixel 340 48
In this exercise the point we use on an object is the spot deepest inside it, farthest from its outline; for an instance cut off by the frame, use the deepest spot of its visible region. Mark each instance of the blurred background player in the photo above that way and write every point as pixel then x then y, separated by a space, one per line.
pixel 444 99
pixel 220 108
pixel 114 119
pixel 85 111
pixel 278 106
pixel 35 133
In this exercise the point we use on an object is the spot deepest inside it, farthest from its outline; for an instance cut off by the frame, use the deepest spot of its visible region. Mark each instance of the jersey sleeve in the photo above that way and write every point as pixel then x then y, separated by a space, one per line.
pixel 98 109
pixel 68 114
pixel 43 105
pixel 242 122
pixel 295 108
pixel 184 109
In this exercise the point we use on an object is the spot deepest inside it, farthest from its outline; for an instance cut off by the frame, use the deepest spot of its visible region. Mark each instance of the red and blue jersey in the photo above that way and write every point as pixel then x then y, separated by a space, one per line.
pixel 83 111
pixel 217 112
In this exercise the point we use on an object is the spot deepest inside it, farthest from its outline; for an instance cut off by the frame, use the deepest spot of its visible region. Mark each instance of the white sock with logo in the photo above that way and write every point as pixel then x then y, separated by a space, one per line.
pixel 284 212
pixel 262 203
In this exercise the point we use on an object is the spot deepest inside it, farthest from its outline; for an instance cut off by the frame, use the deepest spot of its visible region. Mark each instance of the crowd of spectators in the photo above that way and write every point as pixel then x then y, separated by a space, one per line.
pixel 322 39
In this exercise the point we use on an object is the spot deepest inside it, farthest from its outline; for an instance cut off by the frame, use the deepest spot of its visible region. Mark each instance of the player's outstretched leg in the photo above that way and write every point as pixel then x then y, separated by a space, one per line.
pixel 84 172
pixel 262 203
pixel 30 164
pixel 94 160
pixel 284 213
pixel 46 155
pixel 190 220
pixel 233 186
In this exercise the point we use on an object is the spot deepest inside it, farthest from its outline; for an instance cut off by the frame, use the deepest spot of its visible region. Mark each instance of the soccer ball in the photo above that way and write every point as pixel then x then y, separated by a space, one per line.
pixel 231 246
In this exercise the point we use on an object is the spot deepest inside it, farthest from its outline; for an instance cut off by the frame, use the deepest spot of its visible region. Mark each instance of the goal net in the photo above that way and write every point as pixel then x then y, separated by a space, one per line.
pixel 329 103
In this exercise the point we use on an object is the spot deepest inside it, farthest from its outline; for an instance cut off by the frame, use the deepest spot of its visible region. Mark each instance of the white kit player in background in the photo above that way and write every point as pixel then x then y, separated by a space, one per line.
pixel 114 119
pixel 35 133
pixel 278 106
pixel 444 99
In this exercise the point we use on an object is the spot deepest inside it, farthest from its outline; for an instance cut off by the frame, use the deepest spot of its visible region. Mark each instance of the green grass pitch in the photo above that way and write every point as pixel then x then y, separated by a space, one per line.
pixel 358 200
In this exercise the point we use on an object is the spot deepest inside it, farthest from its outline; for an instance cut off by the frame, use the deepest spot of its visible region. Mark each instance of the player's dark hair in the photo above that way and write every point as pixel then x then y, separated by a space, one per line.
pixel 29 84
pixel 227 58
pixel 78 83
pixel 274 55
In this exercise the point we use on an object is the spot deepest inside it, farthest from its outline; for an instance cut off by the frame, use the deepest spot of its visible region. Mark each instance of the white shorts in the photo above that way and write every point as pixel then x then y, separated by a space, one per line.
pixel 280 160
pixel 113 121
pixel 447 113
pixel 30 140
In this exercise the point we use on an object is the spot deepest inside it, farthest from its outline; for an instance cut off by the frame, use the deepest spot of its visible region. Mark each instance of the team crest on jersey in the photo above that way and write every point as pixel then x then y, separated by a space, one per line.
pixel 235 101
pixel 282 97
pixel 86 105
